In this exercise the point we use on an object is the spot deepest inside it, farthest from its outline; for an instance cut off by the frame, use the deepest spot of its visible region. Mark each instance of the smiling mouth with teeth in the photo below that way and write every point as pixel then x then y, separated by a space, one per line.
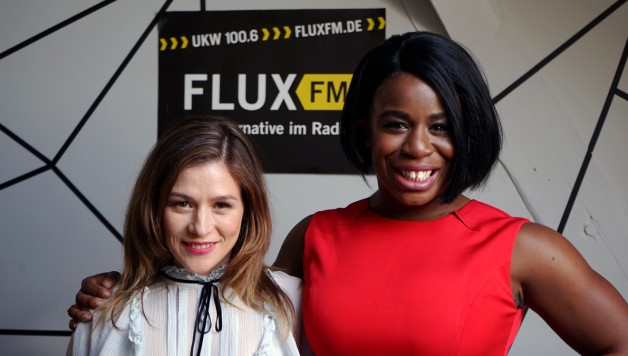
pixel 201 246
pixel 416 176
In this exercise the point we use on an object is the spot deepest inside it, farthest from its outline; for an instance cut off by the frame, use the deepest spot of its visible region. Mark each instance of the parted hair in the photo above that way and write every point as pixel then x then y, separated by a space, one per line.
pixel 187 142
pixel 457 79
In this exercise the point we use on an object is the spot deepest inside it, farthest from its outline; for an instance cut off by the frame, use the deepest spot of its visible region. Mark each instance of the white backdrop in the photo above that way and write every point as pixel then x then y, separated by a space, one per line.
pixel 57 222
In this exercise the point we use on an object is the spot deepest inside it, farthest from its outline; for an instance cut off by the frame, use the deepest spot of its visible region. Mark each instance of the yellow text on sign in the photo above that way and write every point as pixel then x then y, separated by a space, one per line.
pixel 323 91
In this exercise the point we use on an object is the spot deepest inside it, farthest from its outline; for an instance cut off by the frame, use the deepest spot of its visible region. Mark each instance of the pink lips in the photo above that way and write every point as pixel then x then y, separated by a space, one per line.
pixel 417 185
pixel 198 248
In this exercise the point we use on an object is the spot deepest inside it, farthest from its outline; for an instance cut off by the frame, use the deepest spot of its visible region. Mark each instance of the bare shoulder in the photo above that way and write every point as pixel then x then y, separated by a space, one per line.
pixel 543 258
pixel 557 283
pixel 538 247
pixel 290 257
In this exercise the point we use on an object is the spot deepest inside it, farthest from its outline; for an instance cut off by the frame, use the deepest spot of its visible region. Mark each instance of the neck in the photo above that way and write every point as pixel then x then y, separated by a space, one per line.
pixel 182 273
pixel 424 212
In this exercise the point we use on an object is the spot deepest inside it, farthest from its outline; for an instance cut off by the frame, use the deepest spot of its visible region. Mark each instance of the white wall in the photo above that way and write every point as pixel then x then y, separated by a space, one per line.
pixel 51 240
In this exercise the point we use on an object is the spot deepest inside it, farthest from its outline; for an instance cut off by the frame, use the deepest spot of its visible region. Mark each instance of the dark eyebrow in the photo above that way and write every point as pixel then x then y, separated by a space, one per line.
pixel 438 116
pixel 178 195
pixel 405 115
pixel 187 197
pixel 225 197
pixel 396 113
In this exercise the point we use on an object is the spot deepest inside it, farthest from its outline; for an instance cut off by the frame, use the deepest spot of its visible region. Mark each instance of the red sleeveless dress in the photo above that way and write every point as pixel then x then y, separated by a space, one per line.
pixel 378 286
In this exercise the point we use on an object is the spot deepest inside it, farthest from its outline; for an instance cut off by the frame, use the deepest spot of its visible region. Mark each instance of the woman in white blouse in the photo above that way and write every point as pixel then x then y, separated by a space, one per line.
pixel 196 231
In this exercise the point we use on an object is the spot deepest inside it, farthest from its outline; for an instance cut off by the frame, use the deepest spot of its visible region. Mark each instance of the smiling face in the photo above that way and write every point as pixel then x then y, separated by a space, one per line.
pixel 202 217
pixel 411 145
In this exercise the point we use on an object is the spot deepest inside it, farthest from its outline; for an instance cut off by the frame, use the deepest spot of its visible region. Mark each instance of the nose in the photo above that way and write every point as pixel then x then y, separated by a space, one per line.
pixel 418 143
pixel 202 222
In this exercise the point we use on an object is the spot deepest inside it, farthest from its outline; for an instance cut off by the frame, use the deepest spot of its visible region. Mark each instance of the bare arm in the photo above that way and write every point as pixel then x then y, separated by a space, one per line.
pixel 93 293
pixel 290 257
pixel 582 307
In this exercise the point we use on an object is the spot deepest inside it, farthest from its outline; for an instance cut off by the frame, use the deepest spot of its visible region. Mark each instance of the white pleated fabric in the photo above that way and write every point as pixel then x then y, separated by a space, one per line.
pixel 171 308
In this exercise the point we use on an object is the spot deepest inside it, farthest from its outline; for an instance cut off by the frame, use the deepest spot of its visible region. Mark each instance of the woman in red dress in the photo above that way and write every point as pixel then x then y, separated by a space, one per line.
pixel 418 268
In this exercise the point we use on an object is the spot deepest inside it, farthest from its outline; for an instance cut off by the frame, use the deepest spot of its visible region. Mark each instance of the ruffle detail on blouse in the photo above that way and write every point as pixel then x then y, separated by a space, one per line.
pixel 269 327
pixel 135 322
pixel 267 337
pixel 182 273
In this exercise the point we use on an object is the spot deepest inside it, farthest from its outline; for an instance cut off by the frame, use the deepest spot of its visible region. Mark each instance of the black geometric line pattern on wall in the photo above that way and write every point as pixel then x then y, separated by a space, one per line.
pixel 51 164
pixel 614 90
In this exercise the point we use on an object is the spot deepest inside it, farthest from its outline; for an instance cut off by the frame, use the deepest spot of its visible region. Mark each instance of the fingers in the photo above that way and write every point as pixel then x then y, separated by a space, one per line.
pixel 95 289
pixel 86 301
pixel 98 285
pixel 73 324
pixel 77 316
pixel 110 279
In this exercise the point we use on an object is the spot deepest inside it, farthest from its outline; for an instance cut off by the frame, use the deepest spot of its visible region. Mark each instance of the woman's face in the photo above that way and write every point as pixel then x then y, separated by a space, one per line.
pixel 410 141
pixel 202 217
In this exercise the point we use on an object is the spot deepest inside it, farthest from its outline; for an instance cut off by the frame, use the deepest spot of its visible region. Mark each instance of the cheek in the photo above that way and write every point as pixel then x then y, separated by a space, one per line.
pixel 232 226
pixel 383 145
pixel 167 231
pixel 171 225
pixel 446 148
pixel 166 225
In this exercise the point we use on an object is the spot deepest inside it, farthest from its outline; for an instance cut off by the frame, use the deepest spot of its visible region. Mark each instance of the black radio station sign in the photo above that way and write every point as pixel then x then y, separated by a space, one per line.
pixel 281 74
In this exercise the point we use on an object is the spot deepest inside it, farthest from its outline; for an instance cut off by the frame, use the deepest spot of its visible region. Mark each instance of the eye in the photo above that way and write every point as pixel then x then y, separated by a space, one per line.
pixel 222 205
pixel 180 204
pixel 440 127
pixel 394 125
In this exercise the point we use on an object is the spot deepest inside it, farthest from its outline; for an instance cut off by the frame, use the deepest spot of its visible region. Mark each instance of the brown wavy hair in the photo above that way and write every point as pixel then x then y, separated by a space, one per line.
pixel 188 142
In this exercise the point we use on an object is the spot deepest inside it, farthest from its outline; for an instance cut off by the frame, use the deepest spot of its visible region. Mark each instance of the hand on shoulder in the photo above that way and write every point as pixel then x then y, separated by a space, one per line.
pixel 93 293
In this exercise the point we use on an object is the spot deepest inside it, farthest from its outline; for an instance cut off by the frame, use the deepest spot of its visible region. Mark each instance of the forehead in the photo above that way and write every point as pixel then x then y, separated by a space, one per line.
pixel 208 177
pixel 407 91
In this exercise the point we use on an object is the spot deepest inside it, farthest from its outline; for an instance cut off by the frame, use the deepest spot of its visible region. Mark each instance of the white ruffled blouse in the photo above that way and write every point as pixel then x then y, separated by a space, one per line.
pixel 171 309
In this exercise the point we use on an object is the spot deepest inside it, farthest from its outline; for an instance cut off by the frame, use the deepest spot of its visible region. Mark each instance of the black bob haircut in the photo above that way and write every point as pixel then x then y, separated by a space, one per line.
pixel 461 87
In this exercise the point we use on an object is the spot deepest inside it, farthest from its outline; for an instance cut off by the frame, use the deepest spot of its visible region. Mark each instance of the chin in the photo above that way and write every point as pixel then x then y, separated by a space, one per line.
pixel 413 201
